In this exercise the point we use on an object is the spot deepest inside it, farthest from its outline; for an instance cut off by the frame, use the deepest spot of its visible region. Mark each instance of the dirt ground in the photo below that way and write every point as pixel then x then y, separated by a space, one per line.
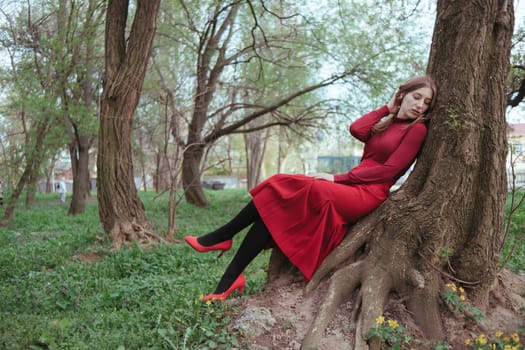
pixel 293 312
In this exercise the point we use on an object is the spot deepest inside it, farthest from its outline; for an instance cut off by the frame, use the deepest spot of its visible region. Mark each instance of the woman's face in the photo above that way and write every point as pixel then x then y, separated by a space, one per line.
pixel 415 103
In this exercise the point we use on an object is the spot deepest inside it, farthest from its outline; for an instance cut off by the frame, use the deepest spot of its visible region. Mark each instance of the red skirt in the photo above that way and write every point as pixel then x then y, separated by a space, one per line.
pixel 309 217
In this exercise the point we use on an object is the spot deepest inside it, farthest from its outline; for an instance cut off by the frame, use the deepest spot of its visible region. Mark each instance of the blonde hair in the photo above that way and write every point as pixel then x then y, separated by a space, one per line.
pixel 409 86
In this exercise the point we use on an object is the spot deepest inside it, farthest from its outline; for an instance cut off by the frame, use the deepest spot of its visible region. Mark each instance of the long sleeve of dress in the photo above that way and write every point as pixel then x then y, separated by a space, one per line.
pixel 398 162
pixel 361 128
pixel 387 155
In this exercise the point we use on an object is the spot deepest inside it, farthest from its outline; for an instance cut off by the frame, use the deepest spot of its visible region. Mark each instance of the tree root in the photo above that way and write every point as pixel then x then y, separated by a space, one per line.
pixel 342 282
pixel 375 286
pixel 375 282
pixel 127 232
pixel 375 261
pixel 280 268
pixel 374 292
pixel 147 236
pixel 347 249
pixel 425 309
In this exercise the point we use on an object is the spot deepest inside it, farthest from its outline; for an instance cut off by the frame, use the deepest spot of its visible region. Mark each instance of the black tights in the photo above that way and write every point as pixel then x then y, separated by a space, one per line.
pixel 257 238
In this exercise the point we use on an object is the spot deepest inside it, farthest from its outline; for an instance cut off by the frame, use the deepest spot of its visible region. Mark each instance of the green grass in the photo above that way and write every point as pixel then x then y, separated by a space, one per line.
pixel 134 298
pixel 516 235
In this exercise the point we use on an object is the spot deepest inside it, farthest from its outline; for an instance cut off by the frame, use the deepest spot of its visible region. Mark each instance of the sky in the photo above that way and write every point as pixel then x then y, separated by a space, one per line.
pixel 519 8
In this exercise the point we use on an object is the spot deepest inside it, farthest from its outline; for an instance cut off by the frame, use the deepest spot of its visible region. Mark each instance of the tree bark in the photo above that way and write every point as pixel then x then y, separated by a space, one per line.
pixel 191 176
pixel 32 184
pixel 79 155
pixel 255 148
pixel 440 226
pixel 120 209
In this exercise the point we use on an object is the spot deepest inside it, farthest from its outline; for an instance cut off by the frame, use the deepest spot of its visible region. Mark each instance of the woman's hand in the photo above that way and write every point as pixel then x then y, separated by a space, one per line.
pixel 323 176
pixel 395 103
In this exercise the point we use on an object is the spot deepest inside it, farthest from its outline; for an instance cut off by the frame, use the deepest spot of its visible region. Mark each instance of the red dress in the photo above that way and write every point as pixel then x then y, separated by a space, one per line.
pixel 309 217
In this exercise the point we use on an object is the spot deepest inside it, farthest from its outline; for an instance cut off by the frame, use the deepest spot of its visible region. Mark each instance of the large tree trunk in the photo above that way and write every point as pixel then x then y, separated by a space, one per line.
pixel 445 223
pixel 121 210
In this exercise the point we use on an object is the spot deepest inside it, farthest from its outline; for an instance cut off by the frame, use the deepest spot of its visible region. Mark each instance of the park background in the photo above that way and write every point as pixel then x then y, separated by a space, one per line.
pixel 53 59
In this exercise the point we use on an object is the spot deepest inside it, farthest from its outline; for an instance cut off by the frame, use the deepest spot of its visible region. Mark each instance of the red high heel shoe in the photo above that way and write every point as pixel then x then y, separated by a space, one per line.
pixel 194 243
pixel 239 283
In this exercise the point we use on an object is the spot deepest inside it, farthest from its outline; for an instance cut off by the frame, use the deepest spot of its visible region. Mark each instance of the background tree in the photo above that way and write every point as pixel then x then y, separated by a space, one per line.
pixel 516 82
pixel 78 25
pixel 279 52
pixel 33 104
pixel 59 40
pixel 121 210
pixel 78 76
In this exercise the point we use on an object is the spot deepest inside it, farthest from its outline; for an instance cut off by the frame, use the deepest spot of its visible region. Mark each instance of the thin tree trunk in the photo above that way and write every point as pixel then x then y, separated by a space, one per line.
pixel 255 148
pixel 191 176
pixel 49 175
pixel 81 182
pixel 32 184
pixel 13 199
pixel 33 162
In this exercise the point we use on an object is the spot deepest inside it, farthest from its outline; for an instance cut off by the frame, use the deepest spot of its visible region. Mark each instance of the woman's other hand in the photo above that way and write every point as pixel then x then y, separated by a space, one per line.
pixel 323 176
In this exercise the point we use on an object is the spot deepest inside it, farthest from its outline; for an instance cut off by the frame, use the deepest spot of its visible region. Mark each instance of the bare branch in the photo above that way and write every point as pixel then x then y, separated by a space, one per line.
pixel 215 134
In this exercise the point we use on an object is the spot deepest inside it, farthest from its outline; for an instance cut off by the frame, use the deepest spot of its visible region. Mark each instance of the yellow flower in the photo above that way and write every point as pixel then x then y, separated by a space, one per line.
pixel 481 339
pixel 467 341
pixel 461 290
pixel 462 297
pixel 506 339
pixel 498 334
pixel 452 286
pixel 380 320
pixel 208 302
pixel 201 296
pixel 392 323
pixel 507 347
pixel 212 311
pixel 515 337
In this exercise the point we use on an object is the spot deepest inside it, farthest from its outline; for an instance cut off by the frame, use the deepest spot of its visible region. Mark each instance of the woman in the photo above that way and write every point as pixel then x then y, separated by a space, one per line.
pixel 308 216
